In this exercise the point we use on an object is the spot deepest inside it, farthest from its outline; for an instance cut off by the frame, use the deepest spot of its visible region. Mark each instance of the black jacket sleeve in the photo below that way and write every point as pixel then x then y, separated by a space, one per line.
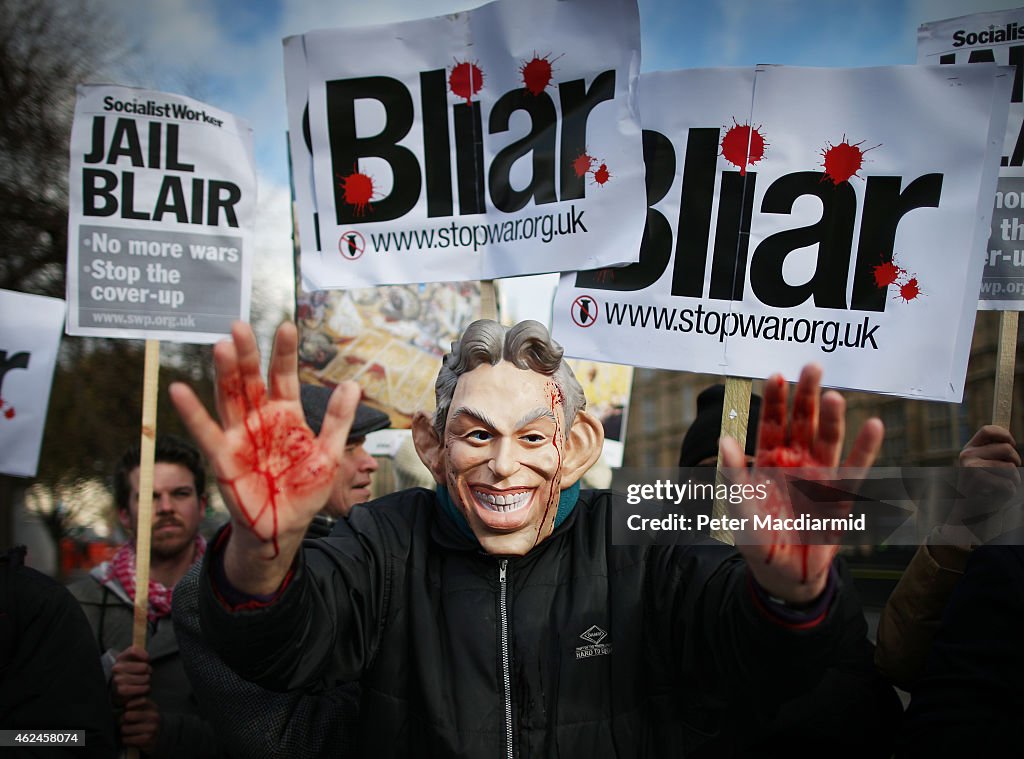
pixel 723 636
pixel 326 620
pixel 251 720
pixel 50 674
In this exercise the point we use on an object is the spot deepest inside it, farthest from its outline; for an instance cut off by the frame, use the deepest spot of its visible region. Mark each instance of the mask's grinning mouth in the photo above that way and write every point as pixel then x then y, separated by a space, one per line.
pixel 502 502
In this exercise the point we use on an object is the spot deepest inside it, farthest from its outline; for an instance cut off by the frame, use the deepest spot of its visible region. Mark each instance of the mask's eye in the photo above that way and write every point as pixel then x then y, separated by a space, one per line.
pixel 533 437
pixel 481 436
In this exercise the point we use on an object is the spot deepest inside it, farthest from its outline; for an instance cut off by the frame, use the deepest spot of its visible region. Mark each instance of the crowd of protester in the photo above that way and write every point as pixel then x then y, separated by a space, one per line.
pixel 431 622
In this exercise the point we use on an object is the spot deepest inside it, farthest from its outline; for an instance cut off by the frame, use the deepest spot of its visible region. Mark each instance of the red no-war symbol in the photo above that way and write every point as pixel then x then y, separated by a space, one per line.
pixel 351 245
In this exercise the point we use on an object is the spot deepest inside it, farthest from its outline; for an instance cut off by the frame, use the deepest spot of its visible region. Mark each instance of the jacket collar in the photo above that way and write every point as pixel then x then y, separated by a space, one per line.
pixel 452 531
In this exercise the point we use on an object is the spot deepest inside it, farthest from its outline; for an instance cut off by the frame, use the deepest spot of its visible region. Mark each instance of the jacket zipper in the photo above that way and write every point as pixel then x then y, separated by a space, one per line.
pixel 506 675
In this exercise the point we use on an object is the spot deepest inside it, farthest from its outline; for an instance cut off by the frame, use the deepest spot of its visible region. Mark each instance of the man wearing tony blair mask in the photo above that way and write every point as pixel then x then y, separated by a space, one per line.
pixel 494 617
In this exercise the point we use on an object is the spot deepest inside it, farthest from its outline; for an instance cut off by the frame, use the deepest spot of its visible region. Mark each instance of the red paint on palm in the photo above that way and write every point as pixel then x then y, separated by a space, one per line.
pixel 231 394
pixel 786 456
pixel 772 430
pixel 803 428
pixel 278 463
pixel 789 446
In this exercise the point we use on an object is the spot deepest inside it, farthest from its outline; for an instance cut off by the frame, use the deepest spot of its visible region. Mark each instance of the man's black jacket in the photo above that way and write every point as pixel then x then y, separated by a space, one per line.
pixel 578 649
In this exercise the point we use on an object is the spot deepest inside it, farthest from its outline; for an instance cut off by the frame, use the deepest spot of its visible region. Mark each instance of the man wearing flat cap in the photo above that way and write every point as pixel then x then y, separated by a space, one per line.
pixel 253 721
pixel 352 482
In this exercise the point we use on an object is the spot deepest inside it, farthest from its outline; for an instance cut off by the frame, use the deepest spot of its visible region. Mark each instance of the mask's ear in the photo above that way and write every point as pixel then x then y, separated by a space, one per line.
pixel 582 448
pixel 428 447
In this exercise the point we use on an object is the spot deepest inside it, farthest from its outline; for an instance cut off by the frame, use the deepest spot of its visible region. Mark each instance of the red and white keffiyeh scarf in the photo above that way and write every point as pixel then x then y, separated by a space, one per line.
pixel 122 569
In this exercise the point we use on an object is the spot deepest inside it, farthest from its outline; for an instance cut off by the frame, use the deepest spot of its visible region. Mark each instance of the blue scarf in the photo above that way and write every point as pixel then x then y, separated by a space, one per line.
pixel 566 503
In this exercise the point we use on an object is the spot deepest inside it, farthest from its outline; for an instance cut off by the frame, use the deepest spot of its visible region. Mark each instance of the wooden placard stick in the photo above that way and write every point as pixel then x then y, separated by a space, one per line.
pixel 488 300
pixel 735 415
pixel 144 528
pixel 1006 354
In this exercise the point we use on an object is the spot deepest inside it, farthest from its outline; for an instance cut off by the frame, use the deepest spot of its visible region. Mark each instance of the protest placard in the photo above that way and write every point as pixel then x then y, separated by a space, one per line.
pixel 796 215
pixel 389 340
pixel 300 153
pixel 30 328
pixel 161 207
pixel 162 201
pixel 985 38
pixel 488 143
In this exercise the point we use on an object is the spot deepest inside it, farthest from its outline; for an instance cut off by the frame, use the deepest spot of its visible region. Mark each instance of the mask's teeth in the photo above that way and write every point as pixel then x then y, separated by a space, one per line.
pixel 502 502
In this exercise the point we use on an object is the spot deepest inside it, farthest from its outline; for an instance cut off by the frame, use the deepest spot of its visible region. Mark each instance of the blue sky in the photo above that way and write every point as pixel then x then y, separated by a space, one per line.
pixel 229 54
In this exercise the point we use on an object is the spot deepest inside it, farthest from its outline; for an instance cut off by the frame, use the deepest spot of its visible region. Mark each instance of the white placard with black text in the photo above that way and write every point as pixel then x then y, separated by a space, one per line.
pixel 488 143
pixel 801 214
pixel 30 330
pixel 996 37
pixel 162 204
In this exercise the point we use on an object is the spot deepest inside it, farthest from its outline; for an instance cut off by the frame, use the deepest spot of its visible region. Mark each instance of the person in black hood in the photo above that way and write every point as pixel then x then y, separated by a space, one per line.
pixel 700 443
pixel 495 616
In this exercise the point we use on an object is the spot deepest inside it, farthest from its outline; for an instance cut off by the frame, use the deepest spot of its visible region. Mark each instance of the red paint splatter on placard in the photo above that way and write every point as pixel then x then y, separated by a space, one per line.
pixel 891 273
pixel 536 74
pixel 582 164
pixel 909 290
pixel 887 273
pixel 466 80
pixel 842 161
pixel 9 413
pixel 358 191
pixel 743 146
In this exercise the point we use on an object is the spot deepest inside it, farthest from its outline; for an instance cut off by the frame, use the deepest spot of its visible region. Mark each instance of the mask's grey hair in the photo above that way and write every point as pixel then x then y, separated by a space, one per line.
pixel 527 345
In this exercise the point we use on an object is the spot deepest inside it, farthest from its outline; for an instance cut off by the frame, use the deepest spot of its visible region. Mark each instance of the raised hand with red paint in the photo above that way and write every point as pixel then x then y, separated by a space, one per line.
pixel 273 473
pixel 811 438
